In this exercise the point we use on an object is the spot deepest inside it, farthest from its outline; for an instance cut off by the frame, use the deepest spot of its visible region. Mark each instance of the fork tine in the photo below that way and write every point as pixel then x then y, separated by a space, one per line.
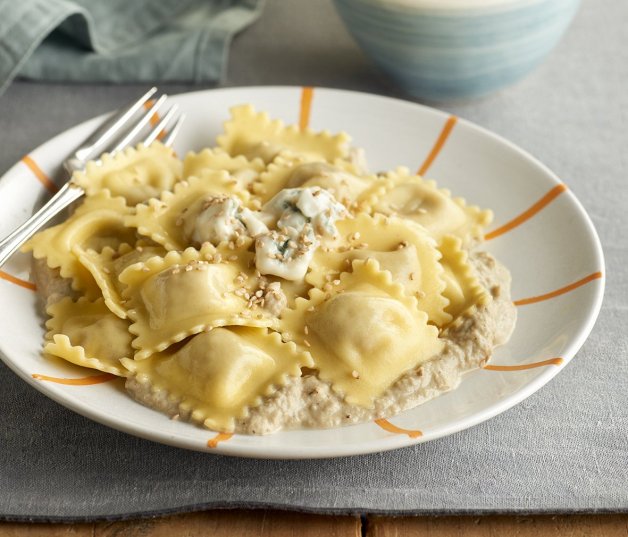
pixel 169 139
pixel 96 142
pixel 159 128
pixel 132 134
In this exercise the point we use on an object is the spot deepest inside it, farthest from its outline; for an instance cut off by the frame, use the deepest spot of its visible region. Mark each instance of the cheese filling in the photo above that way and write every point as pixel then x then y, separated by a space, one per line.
pixel 302 217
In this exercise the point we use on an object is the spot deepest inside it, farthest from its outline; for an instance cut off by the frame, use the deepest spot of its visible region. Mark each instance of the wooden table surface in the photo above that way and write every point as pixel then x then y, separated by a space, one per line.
pixel 284 524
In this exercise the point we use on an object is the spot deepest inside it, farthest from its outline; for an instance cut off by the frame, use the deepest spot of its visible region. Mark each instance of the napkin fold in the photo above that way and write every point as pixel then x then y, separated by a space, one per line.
pixel 120 40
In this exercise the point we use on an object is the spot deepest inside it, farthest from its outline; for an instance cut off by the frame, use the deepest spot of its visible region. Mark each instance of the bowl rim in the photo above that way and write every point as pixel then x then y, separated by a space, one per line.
pixel 445 7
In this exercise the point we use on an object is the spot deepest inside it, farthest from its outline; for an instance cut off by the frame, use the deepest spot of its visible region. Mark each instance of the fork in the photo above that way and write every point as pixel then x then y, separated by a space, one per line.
pixel 121 130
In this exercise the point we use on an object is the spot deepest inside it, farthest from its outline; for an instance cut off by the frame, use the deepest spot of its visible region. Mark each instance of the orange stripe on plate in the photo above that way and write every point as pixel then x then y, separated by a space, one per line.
pixel 387 426
pixel 155 119
pixel 558 292
pixel 306 105
pixel 529 213
pixel 18 281
pixel 220 437
pixel 43 178
pixel 440 142
pixel 551 361
pixel 83 381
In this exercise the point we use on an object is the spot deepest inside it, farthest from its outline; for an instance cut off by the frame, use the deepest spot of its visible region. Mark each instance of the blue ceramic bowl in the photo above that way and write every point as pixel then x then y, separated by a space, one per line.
pixel 454 49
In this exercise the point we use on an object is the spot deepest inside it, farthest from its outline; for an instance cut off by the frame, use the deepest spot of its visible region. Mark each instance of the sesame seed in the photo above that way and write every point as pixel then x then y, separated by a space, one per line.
pixel 306 330
pixel 355 374
pixel 306 343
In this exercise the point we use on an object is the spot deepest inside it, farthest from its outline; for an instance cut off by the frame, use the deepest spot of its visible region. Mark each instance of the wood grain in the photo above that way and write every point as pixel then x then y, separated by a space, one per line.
pixel 214 523
pixel 288 524
pixel 13 529
pixel 236 523
pixel 493 526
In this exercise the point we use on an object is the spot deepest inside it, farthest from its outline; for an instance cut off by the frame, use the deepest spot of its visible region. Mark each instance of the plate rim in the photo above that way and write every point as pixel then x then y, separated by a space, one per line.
pixel 369 446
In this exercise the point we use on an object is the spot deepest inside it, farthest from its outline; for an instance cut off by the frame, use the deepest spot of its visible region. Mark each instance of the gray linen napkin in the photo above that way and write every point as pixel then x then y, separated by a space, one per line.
pixel 119 40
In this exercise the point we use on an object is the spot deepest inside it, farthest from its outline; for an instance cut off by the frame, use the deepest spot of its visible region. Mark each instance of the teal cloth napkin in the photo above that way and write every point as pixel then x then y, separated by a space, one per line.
pixel 119 40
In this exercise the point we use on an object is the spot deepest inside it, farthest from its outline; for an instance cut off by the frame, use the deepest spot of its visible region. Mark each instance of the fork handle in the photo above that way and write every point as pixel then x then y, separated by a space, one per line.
pixel 66 195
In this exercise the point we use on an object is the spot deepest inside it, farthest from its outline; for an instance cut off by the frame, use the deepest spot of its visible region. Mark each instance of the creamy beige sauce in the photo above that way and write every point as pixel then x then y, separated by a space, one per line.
pixel 309 402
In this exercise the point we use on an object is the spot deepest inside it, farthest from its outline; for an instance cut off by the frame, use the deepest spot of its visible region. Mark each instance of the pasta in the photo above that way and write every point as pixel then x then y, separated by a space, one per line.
pixel 218 375
pixel 272 281
pixel 364 333
pixel 411 197
pixel 254 135
pixel 136 174
pixel 88 334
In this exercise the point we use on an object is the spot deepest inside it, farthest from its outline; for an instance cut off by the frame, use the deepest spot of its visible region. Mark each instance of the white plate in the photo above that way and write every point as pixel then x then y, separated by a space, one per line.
pixel 554 248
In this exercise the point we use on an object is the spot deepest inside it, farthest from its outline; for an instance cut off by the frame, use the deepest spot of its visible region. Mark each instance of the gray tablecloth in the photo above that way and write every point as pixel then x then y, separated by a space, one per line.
pixel 565 449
